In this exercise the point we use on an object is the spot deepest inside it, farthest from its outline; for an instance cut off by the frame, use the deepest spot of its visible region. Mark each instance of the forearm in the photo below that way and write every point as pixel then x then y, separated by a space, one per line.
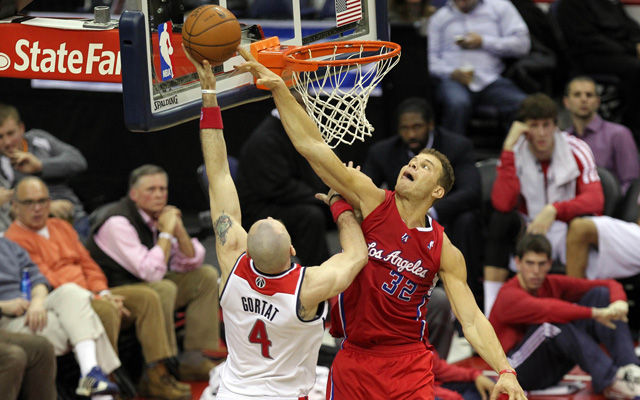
pixel 39 293
pixel 589 201
pixel 506 189
pixel 184 242
pixel 301 130
pixel 350 234
pixel 482 337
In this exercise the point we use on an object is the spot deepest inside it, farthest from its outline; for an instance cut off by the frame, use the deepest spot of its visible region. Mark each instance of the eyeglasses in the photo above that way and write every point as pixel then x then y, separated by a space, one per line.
pixel 31 203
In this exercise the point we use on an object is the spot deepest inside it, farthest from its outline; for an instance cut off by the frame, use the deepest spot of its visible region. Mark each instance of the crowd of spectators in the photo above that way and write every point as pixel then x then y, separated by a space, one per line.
pixel 135 263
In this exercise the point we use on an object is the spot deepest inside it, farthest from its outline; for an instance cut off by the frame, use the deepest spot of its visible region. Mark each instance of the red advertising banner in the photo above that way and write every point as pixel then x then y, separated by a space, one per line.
pixel 35 52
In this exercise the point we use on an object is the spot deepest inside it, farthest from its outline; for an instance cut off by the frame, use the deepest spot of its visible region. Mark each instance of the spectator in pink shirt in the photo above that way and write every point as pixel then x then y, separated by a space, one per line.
pixel 142 239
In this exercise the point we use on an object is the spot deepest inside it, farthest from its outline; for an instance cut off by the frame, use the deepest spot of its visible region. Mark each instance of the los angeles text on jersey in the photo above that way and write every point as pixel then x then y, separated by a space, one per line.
pixel 395 258
pixel 261 307
pixel 61 60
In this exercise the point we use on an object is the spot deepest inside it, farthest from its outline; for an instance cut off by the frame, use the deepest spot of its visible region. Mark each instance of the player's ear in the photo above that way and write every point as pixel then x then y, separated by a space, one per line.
pixel 438 192
pixel 292 251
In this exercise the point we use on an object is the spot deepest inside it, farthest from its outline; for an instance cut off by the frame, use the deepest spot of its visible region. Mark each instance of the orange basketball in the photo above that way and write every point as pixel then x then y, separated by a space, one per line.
pixel 211 33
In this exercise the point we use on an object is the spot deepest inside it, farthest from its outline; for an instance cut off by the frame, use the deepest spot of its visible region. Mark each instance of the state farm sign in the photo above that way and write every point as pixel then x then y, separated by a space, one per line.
pixel 47 53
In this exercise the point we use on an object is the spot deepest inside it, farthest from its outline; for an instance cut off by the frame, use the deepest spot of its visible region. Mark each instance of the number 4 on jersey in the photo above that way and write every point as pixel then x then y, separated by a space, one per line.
pixel 259 336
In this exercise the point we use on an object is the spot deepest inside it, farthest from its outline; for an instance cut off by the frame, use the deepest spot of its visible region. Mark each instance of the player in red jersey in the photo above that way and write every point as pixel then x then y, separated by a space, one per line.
pixel 384 355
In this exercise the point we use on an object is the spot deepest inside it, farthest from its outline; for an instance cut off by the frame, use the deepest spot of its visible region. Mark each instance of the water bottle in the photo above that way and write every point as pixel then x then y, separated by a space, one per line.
pixel 25 285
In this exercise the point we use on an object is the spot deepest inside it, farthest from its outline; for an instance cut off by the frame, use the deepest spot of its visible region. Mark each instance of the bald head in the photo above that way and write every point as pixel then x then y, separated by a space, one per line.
pixel 269 245
pixel 31 203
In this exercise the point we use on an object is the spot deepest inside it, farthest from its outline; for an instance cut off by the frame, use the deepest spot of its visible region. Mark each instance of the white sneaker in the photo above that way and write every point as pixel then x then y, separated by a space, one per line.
pixel 632 374
pixel 619 390
pixel 623 386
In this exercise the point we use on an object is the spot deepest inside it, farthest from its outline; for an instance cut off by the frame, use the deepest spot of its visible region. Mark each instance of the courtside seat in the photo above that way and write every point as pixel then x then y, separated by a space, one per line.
pixel 612 191
pixel 628 207
pixel 487 170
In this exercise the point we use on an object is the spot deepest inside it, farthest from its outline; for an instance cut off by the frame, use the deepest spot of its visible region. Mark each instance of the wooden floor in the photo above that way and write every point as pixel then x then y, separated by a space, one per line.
pixel 575 374
pixel 477 362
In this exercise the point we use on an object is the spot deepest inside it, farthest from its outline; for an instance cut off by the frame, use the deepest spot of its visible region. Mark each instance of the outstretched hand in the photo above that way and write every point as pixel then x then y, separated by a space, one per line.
pixel 508 384
pixel 205 73
pixel 264 76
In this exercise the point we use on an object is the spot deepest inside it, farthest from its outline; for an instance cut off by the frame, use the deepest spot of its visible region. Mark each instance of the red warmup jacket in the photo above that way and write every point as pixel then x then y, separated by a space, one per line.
pixel 505 196
pixel 515 309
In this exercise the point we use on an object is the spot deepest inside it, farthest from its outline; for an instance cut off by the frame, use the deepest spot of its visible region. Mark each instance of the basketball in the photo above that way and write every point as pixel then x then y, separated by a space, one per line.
pixel 211 33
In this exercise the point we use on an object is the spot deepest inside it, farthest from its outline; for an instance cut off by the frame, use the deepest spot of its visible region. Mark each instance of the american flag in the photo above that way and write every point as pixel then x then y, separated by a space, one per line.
pixel 348 11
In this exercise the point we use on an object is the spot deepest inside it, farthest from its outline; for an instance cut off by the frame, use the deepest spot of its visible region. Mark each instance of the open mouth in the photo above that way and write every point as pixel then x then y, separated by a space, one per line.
pixel 408 176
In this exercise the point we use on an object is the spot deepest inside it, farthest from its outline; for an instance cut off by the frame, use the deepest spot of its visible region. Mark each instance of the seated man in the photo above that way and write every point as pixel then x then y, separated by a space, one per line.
pixel 612 144
pixel 549 323
pixel 603 248
pixel 275 181
pixel 27 367
pixel 37 152
pixel 545 178
pixel 63 316
pixel 467 41
pixel 142 239
pixel 55 248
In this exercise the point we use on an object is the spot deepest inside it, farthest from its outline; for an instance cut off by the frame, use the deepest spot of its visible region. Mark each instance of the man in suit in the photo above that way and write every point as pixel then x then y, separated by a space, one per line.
pixel 458 211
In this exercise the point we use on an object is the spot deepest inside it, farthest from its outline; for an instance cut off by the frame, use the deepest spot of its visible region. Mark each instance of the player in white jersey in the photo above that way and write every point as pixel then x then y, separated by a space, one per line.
pixel 273 308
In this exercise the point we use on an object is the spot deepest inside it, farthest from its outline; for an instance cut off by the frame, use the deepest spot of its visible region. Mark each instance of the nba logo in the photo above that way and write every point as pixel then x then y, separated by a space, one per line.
pixel 430 245
pixel 405 238
pixel 166 50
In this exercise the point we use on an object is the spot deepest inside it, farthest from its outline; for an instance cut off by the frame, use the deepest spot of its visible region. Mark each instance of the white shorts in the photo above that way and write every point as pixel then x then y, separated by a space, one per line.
pixel 617 255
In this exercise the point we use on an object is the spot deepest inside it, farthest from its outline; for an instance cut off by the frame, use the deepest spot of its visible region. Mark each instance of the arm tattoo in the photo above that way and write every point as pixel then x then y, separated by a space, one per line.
pixel 222 226
pixel 301 309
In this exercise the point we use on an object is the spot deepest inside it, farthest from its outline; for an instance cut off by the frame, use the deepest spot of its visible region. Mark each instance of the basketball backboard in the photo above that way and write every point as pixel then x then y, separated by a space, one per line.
pixel 160 86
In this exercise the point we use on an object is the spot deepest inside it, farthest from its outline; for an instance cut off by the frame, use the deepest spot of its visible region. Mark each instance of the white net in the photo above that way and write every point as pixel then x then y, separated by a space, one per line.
pixel 336 96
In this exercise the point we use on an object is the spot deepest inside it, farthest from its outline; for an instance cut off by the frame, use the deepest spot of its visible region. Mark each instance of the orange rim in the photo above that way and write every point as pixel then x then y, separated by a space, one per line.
pixel 298 58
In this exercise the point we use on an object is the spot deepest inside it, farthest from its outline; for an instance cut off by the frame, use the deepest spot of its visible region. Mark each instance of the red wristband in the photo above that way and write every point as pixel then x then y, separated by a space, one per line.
pixel 508 371
pixel 210 118
pixel 339 207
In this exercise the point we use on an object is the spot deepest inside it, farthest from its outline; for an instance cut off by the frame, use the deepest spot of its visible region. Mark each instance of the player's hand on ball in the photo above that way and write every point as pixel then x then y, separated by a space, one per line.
pixel 205 73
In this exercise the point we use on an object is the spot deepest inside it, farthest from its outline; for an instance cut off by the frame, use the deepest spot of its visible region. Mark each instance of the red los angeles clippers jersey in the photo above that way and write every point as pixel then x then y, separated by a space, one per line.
pixel 387 302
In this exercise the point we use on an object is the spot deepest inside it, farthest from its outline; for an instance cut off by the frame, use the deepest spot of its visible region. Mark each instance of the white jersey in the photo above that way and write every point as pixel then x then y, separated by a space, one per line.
pixel 272 352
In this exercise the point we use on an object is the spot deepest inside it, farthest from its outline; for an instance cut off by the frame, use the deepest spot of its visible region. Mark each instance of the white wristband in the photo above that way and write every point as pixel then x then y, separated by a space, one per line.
pixel 165 235
pixel 209 91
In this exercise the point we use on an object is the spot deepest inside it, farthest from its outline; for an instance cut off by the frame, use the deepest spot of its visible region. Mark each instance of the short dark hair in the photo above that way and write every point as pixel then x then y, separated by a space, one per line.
pixel 416 105
pixel 535 243
pixel 143 170
pixel 538 106
pixel 579 78
pixel 8 111
pixel 447 177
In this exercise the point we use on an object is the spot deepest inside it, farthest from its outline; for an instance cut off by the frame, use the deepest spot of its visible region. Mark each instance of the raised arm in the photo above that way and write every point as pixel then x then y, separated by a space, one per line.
pixel 231 238
pixel 475 326
pixel 356 187
pixel 336 274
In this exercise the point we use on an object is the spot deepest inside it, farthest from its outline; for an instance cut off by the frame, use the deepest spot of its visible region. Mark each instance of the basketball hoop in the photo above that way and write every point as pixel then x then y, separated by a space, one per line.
pixel 323 74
